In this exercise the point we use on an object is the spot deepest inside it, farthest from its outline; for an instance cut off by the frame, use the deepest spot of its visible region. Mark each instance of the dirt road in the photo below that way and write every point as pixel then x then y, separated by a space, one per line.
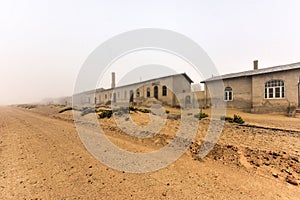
pixel 43 158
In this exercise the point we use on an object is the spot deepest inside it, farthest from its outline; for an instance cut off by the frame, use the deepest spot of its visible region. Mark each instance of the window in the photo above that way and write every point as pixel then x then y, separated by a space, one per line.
pixel 137 92
pixel 105 96
pixel 228 94
pixel 274 89
pixel 164 90
pixel 125 94
pixel 148 92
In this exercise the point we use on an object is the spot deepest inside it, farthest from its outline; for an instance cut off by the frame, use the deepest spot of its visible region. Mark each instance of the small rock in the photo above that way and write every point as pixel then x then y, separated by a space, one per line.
pixel 275 175
pixel 295 159
pixel 90 166
pixel 287 171
pixel 291 179
pixel 164 194
pixel 267 163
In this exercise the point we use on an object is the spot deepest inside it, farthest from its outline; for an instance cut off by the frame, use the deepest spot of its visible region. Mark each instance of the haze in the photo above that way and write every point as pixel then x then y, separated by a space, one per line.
pixel 44 43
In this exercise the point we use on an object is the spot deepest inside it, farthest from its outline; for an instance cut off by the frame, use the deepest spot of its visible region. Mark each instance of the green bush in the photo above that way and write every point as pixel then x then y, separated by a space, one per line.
pixel 226 118
pixel 105 114
pixel 201 115
pixel 144 110
pixel 132 108
pixel 236 118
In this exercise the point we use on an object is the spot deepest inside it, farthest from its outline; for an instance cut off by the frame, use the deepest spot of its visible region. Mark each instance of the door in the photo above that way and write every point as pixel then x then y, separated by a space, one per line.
pixel 131 96
pixel 156 92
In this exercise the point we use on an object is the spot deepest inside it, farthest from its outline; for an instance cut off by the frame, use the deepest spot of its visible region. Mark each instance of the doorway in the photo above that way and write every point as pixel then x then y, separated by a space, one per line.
pixel 131 96
pixel 156 92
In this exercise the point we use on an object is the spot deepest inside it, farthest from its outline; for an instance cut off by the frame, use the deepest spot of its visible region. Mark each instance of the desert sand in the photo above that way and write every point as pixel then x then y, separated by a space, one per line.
pixel 42 157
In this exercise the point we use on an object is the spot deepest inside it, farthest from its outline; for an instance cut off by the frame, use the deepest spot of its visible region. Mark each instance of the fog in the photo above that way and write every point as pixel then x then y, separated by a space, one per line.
pixel 43 44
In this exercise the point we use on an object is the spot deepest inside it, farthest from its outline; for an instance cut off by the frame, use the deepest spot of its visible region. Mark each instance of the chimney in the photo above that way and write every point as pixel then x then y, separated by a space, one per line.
pixel 255 64
pixel 113 80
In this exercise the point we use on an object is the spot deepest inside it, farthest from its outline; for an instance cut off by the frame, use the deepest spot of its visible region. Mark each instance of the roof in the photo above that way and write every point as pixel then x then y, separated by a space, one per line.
pixel 255 72
pixel 137 83
pixel 156 79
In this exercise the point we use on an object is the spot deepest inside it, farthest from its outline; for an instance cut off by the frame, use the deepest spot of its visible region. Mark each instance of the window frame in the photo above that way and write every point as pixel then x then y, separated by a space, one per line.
pixel 274 89
pixel 228 94
pixel 164 91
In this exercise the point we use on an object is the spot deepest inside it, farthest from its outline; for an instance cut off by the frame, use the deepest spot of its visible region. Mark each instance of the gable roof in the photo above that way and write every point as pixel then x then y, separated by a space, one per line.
pixel 255 72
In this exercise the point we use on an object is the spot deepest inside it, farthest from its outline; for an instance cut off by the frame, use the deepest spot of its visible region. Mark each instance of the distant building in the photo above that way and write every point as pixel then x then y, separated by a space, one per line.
pixel 173 90
pixel 272 89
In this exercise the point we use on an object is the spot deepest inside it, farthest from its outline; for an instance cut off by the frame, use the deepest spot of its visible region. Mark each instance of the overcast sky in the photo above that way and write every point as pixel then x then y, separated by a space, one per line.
pixel 43 44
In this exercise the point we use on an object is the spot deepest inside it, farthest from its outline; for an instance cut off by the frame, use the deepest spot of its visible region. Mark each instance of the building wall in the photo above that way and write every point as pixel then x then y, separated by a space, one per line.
pixel 241 93
pixel 173 83
pixel 249 92
pixel 261 104
pixel 181 85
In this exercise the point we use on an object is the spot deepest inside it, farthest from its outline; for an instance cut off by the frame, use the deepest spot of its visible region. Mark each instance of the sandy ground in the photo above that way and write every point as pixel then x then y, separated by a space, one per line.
pixel 42 157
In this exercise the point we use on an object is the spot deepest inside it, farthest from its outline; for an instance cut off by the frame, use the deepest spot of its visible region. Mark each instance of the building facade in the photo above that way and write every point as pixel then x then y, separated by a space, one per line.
pixel 273 89
pixel 173 90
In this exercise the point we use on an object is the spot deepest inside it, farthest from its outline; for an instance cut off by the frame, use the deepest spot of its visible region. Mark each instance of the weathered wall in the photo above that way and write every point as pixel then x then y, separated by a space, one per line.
pixel 241 91
pixel 200 97
pixel 178 84
pixel 290 78
pixel 249 92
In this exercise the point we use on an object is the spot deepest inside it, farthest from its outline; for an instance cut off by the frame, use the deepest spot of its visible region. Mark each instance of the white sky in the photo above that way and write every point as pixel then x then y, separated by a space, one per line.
pixel 44 43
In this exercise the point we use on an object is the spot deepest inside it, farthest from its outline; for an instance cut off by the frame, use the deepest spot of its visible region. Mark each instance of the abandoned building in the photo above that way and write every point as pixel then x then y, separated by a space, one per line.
pixel 173 90
pixel 273 89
